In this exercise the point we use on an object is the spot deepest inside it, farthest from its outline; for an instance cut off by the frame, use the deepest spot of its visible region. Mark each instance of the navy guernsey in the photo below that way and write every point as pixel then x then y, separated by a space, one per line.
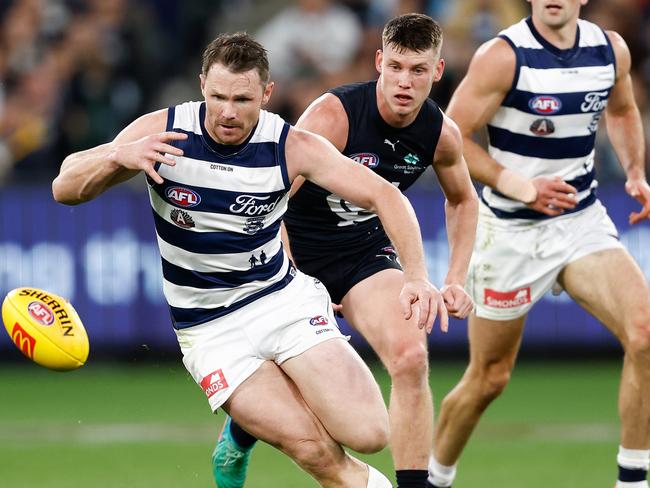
pixel 318 218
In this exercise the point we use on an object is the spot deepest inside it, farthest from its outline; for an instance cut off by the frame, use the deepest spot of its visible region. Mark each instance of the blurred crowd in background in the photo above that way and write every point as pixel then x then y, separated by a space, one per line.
pixel 73 73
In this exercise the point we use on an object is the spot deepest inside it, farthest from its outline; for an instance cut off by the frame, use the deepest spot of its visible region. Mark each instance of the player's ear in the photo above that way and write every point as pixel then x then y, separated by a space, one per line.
pixel 202 78
pixel 379 57
pixel 440 69
pixel 268 89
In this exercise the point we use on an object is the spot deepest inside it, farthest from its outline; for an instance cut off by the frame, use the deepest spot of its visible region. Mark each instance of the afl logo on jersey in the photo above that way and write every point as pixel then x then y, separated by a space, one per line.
pixel 182 197
pixel 369 160
pixel 545 104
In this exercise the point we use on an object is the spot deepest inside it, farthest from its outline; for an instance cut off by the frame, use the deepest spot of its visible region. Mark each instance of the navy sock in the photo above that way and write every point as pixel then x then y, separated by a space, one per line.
pixel 632 475
pixel 411 478
pixel 241 437
pixel 431 485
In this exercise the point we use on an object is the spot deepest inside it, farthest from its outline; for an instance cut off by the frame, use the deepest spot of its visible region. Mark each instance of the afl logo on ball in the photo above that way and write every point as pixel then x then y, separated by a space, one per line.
pixel 182 197
pixel 545 104
pixel 41 313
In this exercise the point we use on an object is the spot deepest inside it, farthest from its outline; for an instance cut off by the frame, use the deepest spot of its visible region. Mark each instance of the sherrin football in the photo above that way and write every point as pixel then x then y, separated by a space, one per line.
pixel 46 328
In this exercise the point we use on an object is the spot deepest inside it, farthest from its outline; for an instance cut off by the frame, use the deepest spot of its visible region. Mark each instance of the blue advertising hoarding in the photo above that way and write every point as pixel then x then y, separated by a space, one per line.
pixel 103 257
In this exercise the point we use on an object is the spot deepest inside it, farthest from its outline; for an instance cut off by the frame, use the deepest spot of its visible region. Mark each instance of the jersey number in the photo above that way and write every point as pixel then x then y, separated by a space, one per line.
pixel 347 212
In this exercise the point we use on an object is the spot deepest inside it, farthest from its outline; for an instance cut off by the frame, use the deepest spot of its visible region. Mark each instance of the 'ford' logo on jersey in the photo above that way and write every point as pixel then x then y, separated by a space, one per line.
pixel 182 196
pixel 367 159
pixel 545 104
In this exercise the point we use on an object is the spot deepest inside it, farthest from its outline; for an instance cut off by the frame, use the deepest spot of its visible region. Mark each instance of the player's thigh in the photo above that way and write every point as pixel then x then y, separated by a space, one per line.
pixel 269 406
pixel 341 391
pixel 609 285
pixel 494 344
pixel 372 307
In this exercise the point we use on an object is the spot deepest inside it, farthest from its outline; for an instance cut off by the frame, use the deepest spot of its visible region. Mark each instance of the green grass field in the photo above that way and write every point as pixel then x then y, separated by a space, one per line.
pixel 150 426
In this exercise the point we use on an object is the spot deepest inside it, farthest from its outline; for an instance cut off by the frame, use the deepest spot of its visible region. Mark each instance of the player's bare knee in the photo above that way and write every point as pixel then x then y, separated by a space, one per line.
pixel 497 377
pixel 637 343
pixel 409 362
pixel 371 438
pixel 488 380
pixel 315 456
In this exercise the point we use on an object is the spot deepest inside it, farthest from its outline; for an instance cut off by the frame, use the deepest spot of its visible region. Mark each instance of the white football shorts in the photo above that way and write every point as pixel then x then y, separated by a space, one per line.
pixel 224 352
pixel 516 262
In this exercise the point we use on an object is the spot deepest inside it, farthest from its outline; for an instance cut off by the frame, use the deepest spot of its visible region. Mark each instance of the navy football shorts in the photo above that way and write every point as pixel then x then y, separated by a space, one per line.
pixel 340 268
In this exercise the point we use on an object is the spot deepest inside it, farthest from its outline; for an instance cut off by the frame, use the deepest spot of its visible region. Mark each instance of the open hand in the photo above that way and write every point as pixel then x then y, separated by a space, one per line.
pixel 638 189
pixel 422 299
pixel 144 153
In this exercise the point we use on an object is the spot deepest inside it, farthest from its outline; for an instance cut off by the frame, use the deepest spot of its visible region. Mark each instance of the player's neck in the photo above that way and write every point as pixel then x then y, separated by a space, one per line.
pixel 563 37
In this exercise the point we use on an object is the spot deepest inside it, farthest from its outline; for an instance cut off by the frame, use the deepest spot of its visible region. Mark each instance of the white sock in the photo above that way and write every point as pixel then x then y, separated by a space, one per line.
pixel 377 480
pixel 633 459
pixel 439 474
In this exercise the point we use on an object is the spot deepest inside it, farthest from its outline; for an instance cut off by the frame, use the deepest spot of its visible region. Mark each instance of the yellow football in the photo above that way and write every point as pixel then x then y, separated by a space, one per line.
pixel 46 328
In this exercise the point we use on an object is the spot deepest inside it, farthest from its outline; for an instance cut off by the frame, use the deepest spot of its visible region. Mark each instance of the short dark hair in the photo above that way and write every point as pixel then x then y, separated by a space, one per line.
pixel 415 32
pixel 238 52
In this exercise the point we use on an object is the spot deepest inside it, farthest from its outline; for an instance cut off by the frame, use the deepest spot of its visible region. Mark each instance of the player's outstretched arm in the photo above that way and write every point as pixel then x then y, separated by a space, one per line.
pixel 461 212
pixel 477 98
pixel 316 159
pixel 86 174
pixel 625 129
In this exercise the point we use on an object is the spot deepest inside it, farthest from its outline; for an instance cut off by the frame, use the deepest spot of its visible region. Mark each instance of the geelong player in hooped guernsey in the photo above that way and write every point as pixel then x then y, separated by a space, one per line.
pixel 541 87
pixel 217 217
pixel 547 123
pixel 257 336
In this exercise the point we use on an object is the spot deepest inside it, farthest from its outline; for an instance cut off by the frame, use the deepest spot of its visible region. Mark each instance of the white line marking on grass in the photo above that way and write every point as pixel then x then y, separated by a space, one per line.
pixel 115 433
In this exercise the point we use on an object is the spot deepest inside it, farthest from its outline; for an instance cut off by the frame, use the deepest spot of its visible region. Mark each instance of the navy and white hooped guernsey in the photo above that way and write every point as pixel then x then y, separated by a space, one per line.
pixel 218 216
pixel 547 123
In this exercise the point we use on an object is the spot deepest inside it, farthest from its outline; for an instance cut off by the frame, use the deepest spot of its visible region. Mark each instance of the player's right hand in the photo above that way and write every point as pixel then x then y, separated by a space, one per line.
pixel 554 195
pixel 144 153
pixel 422 299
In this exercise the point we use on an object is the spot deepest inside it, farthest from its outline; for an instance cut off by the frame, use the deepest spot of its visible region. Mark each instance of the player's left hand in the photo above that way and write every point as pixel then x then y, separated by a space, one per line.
pixel 420 298
pixel 639 189
pixel 457 301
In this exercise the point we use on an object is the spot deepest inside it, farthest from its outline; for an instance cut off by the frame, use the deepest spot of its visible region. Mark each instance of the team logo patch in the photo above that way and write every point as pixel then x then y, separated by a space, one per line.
pixel 23 340
pixel 507 299
pixel 542 127
pixel 369 160
pixel 41 313
pixel 319 320
pixel 545 104
pixel 214 383
pixel 254 224
pixel 182 219
pixel 182 197
pixel 411 158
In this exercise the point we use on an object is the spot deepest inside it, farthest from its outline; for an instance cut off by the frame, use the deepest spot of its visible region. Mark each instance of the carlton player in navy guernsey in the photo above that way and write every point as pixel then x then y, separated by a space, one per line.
pixel 257 335
pixel 541 88
pixel 393 128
